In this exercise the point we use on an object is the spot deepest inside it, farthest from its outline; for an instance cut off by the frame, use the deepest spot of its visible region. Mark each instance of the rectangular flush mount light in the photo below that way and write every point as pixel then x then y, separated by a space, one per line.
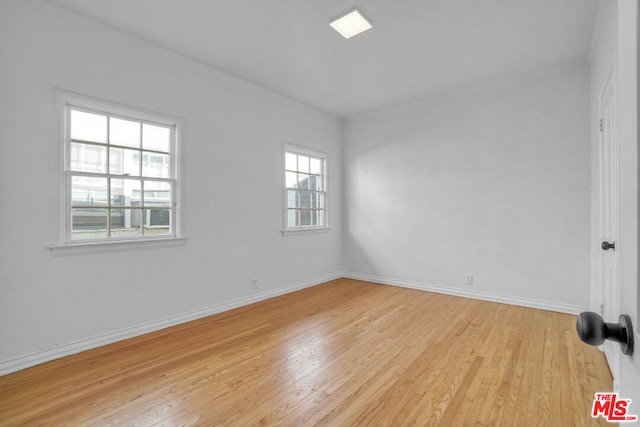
pixel 350 24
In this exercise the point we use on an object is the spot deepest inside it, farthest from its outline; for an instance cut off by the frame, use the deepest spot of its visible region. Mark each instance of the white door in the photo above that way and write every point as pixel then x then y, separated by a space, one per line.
pixel 609 210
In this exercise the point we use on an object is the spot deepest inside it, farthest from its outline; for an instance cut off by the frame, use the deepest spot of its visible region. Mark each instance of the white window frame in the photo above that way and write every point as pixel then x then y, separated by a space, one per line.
pixel 296 149
pixel 65 101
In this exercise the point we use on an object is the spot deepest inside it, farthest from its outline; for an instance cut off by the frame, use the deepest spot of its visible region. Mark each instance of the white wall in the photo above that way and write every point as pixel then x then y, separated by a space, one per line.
pixel 232 170
pixel 492 181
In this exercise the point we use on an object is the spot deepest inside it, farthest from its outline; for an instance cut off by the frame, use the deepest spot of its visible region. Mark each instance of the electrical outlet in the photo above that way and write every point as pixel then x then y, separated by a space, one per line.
pixel 468 279
pixel 254 283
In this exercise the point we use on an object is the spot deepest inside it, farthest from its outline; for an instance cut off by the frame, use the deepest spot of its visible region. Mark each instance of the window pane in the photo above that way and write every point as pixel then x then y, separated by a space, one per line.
pixel 291 179
pixel 124 162
pixel 88 158
pixel 157 194
pixel 88 191
pixel 318 201
pixel 155 138
pixel 88 127
pixel 126 222
pixel 291 162
pixel 125 192
pixel 303 164
pixel 318 217
pixel 315 182
pixel 157 221
pixel 316 166
pixel 124 132
pixel 88 224
pixel 292 218
pixel 293 199
pixel 305 217
pixel 305 200
pixel 155 165
pixel 303 181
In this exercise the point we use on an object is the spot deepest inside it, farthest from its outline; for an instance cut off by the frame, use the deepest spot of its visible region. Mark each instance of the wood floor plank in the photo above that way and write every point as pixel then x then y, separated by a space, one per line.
pixel 342 353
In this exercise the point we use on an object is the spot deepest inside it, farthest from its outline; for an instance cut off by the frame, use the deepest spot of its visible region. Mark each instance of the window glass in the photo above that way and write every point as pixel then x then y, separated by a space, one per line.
pixel 88 223
pixel 124 132
pixel 123 161
pixel 155 138
pixel 88 157
pixel 291 161
pixel 155 165
pixel 88 127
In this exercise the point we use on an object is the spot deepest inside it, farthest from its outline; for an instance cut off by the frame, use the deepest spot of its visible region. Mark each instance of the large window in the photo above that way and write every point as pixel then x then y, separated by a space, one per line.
pixel 305 189
pixel 120 175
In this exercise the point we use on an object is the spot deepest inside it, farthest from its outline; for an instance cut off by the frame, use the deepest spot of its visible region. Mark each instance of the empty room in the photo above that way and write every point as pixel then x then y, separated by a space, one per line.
pixel 319 212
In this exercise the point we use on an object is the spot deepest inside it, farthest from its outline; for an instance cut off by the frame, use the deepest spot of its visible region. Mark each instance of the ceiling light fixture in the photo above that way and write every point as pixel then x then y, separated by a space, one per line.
pixel 350 24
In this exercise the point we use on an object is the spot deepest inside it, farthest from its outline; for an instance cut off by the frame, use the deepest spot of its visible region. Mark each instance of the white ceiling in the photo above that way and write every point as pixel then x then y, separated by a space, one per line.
pixel 416 48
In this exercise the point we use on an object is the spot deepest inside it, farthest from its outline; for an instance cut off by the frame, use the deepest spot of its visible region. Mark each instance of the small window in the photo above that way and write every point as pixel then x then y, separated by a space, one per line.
pixel 305 189
pixel 120 174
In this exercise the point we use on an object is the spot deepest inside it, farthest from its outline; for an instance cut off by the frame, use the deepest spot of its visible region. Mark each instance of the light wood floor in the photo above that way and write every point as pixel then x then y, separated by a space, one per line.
pixel 340 354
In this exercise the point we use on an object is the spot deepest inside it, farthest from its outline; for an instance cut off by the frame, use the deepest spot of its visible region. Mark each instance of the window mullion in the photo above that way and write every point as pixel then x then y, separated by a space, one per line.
pixel 122 176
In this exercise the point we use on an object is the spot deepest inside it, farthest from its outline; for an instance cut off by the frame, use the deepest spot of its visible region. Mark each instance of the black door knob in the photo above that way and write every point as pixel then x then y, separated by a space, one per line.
pixel 606 246
pixel 593 330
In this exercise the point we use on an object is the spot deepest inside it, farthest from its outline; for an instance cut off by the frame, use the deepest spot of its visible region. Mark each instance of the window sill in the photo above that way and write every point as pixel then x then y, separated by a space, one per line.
pixel 115 246
pixel 300 231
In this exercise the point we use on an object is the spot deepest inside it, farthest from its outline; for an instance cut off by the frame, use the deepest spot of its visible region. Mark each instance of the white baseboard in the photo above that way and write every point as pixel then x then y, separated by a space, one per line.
pixel 22 362
pixel 485 296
